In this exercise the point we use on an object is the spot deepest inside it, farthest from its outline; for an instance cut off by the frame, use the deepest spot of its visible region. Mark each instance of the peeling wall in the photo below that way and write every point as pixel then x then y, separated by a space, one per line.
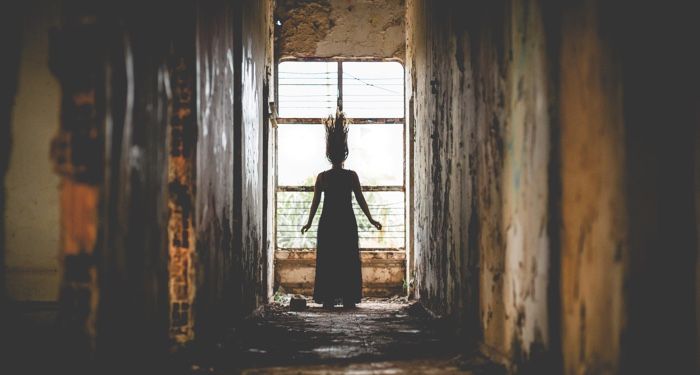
pixel 340 28
pixel 182 136
pixel 586 246
pixel 232 59
pixel 478 79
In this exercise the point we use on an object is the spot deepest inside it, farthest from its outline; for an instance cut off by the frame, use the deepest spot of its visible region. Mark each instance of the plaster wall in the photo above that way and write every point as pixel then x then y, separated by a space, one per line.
pixel 233 63
pixel 32 197
pixel 254 58
pixel 554 180
pixel 594 235
pixel 216 274
pixel 478 77
pixel 340 28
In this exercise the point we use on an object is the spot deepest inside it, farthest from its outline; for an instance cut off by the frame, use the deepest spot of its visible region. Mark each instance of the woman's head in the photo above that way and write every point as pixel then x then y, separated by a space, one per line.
pixel 336 138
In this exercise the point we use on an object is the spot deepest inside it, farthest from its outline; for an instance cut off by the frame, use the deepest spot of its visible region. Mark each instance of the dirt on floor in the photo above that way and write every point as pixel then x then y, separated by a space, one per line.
pixel 379 336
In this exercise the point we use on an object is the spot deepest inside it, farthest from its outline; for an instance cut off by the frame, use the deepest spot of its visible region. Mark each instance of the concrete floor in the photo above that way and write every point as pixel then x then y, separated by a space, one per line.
pixel 378 337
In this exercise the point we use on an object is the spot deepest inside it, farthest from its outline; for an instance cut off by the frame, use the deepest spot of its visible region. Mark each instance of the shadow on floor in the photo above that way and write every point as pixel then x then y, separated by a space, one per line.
pixel 377 337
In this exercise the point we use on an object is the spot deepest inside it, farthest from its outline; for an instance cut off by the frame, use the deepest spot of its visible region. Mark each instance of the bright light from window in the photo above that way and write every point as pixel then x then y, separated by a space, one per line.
pixel 308 89
pixel 373 89
pixel 372 96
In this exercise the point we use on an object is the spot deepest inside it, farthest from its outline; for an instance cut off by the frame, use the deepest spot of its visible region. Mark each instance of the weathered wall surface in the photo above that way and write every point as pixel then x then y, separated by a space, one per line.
pixel 214 182
pixel 629 235
pixel 31 188
pixel 133 256
pixel 340 28
pixel 255 39
pixel 383 272
pixel 594 235
pixel 478 80
pixel 233 46
pixel 182 139
pixel 525 197
pixel 607 220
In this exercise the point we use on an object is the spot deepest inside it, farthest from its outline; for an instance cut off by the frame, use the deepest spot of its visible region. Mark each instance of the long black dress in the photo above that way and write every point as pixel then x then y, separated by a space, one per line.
pixel 338 270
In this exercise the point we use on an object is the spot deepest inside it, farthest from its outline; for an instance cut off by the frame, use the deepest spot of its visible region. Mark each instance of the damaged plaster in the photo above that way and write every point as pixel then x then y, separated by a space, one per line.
pixel 478 78
pixel 340 28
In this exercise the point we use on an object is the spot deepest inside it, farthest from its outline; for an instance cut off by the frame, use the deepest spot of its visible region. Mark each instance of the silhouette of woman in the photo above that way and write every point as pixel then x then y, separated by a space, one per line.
pixel 338 271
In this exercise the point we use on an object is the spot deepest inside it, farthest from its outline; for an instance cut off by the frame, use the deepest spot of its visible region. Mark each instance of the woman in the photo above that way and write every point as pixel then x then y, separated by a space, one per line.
pixel 338 271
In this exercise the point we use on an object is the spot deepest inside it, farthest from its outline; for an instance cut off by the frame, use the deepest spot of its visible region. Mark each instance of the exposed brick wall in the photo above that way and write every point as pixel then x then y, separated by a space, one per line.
pixel 182 142
pixel 77 151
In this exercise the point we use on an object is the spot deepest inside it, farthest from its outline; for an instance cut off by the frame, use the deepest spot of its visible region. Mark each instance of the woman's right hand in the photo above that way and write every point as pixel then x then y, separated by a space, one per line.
pixel 305 228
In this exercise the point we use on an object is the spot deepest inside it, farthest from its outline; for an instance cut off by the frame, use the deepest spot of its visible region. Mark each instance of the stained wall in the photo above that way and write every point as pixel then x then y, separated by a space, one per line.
pixel 594 222
pixel 232 70
pixel 479 94
pixel 339 28
pixel 554 157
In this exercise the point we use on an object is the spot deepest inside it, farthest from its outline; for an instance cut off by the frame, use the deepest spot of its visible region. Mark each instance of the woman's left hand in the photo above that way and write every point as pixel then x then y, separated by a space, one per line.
pixel 305 228
pixel 376 224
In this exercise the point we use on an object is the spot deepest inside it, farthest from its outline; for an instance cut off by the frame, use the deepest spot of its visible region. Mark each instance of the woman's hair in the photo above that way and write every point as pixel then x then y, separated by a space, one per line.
pixel 337 138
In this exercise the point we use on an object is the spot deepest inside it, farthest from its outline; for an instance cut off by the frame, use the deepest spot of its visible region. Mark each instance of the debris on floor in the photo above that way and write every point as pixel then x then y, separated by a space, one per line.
pixel 380 336
pixel 297 303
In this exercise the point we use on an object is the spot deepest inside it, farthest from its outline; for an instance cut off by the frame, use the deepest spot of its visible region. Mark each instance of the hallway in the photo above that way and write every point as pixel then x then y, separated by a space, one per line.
pixel 380 336
pixel 520 184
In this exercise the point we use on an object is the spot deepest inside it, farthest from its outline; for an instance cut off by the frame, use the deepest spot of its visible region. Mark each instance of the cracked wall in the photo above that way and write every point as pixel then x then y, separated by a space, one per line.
pixel 478 80
pixel 553 178
pixel 340 28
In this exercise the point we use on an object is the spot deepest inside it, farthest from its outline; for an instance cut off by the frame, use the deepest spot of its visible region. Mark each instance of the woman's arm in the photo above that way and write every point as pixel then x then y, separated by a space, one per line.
pixel 314 203
pixel 357 188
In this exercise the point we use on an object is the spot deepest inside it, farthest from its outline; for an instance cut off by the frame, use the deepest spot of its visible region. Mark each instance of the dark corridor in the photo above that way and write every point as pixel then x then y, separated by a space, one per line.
pixel 536 163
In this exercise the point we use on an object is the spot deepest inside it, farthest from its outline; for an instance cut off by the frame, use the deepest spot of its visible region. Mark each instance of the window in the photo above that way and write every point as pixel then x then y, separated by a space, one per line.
pixel 372 96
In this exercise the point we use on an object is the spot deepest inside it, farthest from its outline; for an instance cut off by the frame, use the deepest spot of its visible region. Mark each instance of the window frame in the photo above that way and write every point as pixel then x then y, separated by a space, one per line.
pixel 311 121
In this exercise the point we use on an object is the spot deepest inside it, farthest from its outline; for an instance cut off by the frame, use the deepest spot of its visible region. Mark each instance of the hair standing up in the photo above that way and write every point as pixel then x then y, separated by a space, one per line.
pixel 337 138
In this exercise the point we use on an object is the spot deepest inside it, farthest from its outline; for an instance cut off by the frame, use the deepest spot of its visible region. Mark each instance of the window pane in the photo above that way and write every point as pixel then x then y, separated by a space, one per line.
pixel 376 154
pixel 386 207
pixel 373 89
pixel 301 154
pixel 307 89
pixel 292 213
